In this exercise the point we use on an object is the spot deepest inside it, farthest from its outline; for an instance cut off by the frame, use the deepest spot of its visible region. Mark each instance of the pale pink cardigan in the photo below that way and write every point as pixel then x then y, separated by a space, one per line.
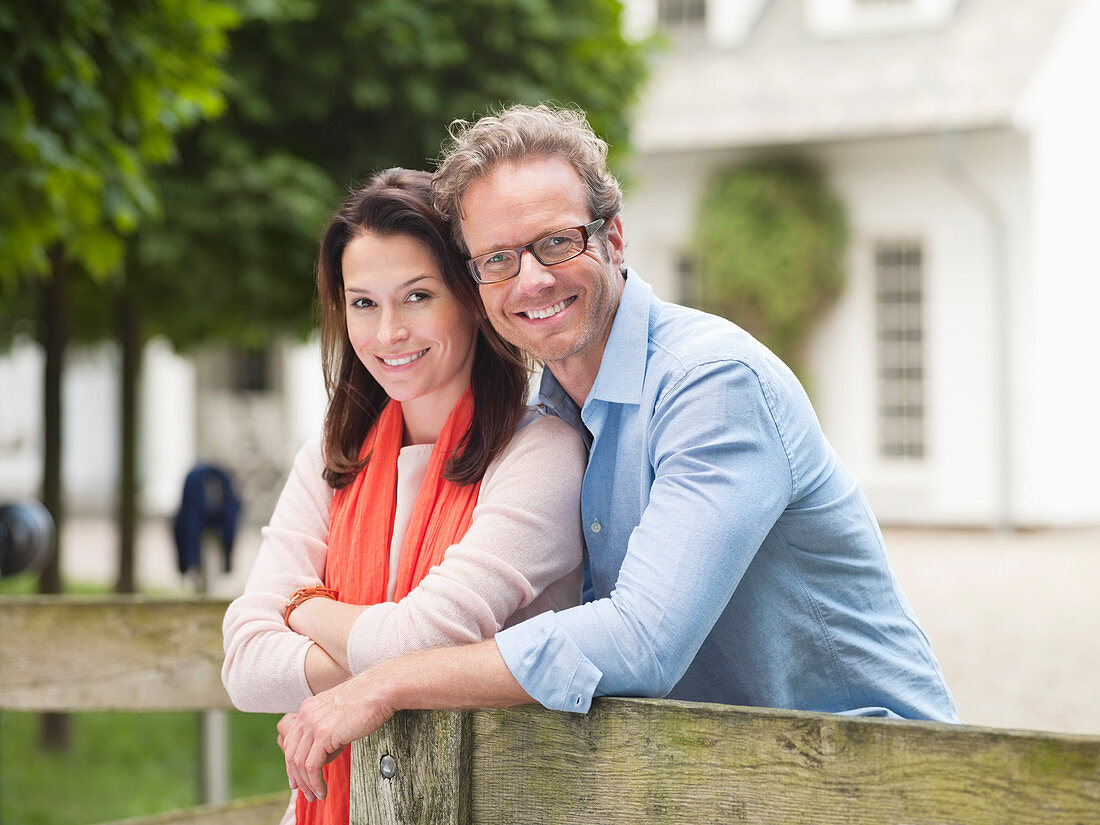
pixel 520 557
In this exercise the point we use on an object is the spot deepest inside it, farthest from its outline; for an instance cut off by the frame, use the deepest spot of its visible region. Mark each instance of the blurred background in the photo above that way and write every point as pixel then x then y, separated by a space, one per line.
pixel 898 196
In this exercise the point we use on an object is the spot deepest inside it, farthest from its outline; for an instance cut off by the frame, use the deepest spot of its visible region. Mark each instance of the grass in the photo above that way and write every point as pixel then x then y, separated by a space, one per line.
pixel 122 764
pixel 125 764
pixel 26 584
pixel 20 584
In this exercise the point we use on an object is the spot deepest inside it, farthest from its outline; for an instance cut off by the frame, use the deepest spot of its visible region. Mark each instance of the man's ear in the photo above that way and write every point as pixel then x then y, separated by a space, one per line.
pixel 616 242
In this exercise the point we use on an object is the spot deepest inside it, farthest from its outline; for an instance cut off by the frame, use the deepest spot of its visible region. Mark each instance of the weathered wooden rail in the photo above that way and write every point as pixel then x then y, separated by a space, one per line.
pixel 122 654
pixel 627 761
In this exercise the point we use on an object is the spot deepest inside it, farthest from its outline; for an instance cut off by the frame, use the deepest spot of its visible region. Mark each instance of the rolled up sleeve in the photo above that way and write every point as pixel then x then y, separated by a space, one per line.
pixel 549 664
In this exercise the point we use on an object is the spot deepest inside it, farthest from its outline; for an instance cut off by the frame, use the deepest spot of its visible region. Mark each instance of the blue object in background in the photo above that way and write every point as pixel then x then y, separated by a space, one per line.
pixel 209 502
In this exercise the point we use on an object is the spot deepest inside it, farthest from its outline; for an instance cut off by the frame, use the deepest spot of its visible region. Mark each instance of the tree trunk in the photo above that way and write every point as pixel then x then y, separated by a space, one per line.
pixel 55 731
pixel 129 340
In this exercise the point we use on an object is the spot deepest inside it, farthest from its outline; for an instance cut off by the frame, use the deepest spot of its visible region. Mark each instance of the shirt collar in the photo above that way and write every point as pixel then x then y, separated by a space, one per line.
pixel 622 368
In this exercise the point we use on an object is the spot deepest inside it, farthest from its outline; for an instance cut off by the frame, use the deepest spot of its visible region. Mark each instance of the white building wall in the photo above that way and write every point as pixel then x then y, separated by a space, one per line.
pixel 89 428
pixel 658 215
pixel 904 189
pixel 305 391
pixel 838 18
pixel 1062 400
pixel 166 432
pixel 21 423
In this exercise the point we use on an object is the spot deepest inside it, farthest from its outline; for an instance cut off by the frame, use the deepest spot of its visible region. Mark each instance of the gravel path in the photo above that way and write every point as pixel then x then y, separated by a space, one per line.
pixel 1014 619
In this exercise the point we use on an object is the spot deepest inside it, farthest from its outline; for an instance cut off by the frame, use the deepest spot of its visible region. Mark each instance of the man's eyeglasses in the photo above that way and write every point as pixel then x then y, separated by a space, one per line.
pixel 555 248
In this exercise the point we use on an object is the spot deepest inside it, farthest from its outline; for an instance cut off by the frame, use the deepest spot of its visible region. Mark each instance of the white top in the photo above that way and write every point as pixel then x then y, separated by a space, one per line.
pixel 521 556
pixel 412 467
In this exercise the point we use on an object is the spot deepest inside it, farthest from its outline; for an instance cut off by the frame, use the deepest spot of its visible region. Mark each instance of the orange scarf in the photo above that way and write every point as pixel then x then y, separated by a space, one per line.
pixel 360 534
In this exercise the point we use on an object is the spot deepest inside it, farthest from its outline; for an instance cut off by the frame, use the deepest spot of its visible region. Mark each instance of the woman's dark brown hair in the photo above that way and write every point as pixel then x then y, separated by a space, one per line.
pixel 398 202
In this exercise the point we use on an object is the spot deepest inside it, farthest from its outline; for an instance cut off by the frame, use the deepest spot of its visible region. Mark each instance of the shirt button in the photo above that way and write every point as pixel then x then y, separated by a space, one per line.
pixel 596 526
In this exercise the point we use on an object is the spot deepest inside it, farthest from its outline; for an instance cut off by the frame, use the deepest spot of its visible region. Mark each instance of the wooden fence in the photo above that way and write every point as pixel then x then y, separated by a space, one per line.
pixel 122 654
pixel 627 761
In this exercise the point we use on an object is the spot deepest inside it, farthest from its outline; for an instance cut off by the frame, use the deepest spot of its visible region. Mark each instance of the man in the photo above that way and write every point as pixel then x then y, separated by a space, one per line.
pixel 733 557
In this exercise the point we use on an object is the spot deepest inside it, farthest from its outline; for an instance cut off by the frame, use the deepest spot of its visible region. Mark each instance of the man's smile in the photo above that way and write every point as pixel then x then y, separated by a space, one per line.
pixel 550 311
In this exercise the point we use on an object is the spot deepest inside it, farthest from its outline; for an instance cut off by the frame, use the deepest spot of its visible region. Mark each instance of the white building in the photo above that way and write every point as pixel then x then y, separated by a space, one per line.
pixel 964 137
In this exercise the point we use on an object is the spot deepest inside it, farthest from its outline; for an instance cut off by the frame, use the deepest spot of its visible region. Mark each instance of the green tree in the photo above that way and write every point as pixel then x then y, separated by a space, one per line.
pixel 321 94
pixel 769 243
pixel 92 94
pixel 324 93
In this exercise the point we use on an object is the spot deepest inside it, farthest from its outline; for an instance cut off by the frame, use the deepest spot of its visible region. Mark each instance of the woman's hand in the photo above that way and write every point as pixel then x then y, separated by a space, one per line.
pixel 325 725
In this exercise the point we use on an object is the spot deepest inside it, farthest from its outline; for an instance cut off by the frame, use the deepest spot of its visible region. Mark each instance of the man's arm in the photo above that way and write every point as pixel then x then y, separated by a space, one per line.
pixel 721 477
pixel 445 678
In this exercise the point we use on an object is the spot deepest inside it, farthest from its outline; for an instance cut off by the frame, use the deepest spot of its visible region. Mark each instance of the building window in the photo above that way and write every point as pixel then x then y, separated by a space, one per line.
pixel 900 344
pixel 676 14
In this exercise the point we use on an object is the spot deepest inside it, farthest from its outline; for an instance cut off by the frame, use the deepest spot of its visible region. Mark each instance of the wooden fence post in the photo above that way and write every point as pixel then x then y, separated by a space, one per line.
pixel 415 770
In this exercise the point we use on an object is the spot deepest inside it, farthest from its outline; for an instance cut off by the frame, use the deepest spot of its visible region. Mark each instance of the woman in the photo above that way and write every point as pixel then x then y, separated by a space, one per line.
pixel 435 509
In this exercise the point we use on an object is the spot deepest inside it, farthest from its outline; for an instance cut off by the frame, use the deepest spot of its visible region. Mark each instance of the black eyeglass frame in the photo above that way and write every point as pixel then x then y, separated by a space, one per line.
pixel 587 232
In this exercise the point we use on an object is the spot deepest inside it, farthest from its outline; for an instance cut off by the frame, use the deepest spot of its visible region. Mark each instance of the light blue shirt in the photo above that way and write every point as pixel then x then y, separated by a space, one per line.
pixel 734 559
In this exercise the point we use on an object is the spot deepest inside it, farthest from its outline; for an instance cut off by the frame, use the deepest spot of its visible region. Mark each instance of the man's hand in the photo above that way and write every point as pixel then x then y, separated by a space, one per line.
pixel 444 678
pixel 325 725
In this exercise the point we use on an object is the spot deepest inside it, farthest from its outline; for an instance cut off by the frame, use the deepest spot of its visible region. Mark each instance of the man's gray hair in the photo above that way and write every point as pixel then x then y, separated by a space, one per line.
pixel 519 133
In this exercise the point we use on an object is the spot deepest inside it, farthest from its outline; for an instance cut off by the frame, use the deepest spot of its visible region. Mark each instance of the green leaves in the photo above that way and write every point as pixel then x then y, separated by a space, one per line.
pixel 92 94
pixel 109 149
pixel 362 86
pixel 769 244
pixel 233 258
pixel 325 93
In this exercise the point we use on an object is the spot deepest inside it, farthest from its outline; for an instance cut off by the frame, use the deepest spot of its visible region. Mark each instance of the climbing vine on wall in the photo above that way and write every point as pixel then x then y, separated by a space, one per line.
pixel 769 251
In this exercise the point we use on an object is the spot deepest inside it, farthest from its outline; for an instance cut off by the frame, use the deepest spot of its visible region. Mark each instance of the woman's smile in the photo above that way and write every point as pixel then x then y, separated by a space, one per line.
pixel 402 360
